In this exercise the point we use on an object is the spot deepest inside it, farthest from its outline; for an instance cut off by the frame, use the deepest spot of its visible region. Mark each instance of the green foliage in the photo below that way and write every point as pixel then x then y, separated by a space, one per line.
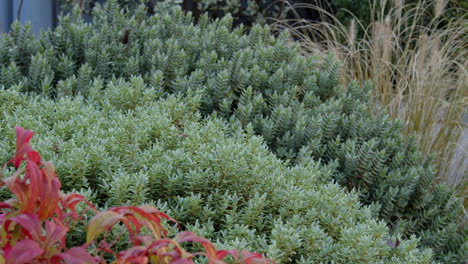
pixel 88 5
pixel 255 81
pixel 214 179
pixel 247 13
pixel 244 12
pixel 37 220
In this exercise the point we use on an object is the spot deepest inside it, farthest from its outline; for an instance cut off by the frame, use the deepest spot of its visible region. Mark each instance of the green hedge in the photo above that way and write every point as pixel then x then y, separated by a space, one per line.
pixel 219 182
pixel 255 81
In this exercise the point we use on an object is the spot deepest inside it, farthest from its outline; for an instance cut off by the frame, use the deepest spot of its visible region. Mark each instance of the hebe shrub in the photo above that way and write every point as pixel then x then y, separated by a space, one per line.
pixel 218 182
pixel 244 11
pixel 255 81
pixel 34 225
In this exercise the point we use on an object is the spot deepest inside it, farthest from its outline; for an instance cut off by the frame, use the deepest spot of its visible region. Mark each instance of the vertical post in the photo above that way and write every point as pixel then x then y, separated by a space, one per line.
pixel 39 12
pixel 191 6
pixel 186 5
pixel 55 12
pixel 5 15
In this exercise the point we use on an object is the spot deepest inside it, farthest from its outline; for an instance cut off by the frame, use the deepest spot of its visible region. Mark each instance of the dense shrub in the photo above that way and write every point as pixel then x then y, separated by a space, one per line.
pixel 244 11
pixel 35 224
pixel 256 81
pixel 229 189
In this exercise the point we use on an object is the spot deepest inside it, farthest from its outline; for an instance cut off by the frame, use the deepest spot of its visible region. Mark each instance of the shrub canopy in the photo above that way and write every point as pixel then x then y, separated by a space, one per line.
pixel 255 81
pixel 222 184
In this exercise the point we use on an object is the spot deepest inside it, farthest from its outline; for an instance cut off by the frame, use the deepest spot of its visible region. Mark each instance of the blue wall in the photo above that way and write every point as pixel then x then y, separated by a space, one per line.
pixel 41 14
pixel 5 14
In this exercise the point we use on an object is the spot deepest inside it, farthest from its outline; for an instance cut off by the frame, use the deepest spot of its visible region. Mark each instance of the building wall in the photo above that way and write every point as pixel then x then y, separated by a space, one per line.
pixel 40 13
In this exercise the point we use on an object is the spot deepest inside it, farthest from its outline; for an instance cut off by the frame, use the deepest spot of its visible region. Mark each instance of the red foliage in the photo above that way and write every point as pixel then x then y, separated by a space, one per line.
pixel 34 225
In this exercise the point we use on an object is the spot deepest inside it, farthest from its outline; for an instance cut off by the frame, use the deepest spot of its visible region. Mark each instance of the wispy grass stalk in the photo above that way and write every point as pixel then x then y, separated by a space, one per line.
pixel 417 58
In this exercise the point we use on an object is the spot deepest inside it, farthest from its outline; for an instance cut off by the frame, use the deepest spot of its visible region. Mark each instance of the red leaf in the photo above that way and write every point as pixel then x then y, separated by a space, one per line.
pixel 191 237
pixel 143 240
pixel 5 205
pixel 69 201
pixel 136 223
pixel 182 261
pixel 161 243
pixel 21 189
pixel 23 252
pixel 34 175
pixel 76 255
pixel 34 156
pixel 140 216
pixel 30 223
pixel 254 258
pixel 106 247
pixel 100 223
pixel 49 192
pixel 2 217
pixel 221 254
pixel 38 192
pixel 247 257
pixel 135 254
pixel 134 260
pixel 23 137
pixel 158 250
pixel 55 232
pixel 152 210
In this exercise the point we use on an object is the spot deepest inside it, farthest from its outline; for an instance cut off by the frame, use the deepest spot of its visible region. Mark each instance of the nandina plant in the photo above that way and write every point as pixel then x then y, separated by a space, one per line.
pixel 35 222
